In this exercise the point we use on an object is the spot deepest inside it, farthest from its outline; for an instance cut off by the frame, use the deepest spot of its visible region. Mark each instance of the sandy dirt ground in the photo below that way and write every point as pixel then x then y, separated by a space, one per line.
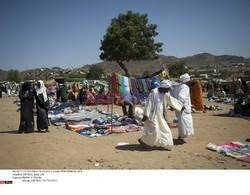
pixel 64 149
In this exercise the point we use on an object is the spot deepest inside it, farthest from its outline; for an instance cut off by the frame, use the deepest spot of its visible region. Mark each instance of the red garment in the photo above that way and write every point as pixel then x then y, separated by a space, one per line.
pixel 71 96
pixel 100 98
pixel 115 82
pixel 90 98
pixel 133 85
pixel 93 93
pixel 230 145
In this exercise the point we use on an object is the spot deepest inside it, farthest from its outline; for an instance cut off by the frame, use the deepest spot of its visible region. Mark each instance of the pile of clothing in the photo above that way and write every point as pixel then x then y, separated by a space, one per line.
pixel 237 150
pixel 225 100
pixel 213 107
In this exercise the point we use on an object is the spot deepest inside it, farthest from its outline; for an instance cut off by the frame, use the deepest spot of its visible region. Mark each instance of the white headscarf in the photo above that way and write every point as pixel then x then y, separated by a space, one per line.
pixel 184 78
pixel 42 90
pixel 165 84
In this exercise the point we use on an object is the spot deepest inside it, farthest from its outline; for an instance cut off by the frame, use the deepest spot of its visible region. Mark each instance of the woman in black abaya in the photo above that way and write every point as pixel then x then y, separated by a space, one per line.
pixel 42 106
pixel 27 105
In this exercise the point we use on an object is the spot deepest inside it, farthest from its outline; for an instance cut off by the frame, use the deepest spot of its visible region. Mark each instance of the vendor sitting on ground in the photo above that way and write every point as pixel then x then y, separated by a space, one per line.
pixel 129 101
pixel 71 96
pixel 81 96
pixel 92 90
pixel 89 97
pixel 100 98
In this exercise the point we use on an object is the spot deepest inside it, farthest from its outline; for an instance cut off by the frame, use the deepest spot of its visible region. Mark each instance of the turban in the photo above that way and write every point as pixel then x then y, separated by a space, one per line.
pixel 184 78
pixel 165 84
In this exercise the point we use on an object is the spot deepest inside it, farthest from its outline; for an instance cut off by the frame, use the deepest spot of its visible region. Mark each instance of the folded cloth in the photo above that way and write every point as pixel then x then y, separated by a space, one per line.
pixel 123 129
pixel 244 158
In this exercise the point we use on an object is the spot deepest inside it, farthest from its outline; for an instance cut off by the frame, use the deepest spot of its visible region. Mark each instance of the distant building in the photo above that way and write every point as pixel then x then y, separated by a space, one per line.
pixel 204 76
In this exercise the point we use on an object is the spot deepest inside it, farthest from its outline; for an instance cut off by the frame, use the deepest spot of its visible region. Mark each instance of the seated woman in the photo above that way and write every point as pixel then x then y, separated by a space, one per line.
pixel 100 98
pixel 81 96
pixel 71 96
pixel 90 98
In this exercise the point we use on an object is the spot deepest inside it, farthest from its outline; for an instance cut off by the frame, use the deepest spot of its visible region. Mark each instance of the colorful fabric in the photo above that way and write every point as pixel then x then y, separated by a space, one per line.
pixel 145 88
pixel 126 86
pixel 134 89
pixel 236 150
pixel 130 84
pixel 148 84
pixel 73 126
pixel 154 81
pixel 116 82
pixel 164 74
pixel 123 129
pixel 120 79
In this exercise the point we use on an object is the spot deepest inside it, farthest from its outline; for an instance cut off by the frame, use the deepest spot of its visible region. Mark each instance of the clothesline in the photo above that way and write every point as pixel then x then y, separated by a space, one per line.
pixel 128 86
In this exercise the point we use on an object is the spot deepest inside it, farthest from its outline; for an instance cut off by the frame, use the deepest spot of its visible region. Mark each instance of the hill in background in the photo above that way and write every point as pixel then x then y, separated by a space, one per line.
pixel 196 62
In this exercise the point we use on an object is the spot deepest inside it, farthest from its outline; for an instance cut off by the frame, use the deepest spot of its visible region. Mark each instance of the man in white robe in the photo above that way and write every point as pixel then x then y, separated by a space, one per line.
pixel 156 133
pixel 182 93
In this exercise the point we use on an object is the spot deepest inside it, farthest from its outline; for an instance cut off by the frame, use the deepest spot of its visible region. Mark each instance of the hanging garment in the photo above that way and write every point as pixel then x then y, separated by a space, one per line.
pixel 134 89
pixel 154 81
pixel 145 88
pixel 164 74
pixel 148 84
pixel 126 87
pixel 130 84
pixel 139 86
pixel 120 79
pixel 116 82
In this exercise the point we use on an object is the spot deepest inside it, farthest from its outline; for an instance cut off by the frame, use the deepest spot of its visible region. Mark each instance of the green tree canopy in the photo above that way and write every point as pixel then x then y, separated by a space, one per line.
pixel 225 74
pixel 95 72
pixel 130 37
pixel 177 69
pixel 13 75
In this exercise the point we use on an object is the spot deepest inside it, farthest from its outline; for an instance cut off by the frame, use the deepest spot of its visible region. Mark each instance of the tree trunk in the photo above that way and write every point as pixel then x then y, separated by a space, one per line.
pixel 124 68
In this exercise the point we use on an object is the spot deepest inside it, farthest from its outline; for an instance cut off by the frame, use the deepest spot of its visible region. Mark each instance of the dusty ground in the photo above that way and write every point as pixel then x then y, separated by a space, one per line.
pixel 63 149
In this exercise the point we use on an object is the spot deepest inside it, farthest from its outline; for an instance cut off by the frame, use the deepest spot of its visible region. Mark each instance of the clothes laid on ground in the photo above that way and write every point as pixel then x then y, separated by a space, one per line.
pixel 235 149
pixel 225 100
pixel 91 122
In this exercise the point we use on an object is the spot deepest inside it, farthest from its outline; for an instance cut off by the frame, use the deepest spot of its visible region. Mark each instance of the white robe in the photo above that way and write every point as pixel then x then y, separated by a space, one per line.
pixel 156 130
pixel 182 93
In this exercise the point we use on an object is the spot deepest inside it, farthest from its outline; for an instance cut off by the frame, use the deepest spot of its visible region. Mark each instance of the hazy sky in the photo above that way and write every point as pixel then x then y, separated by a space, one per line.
pixel 65 33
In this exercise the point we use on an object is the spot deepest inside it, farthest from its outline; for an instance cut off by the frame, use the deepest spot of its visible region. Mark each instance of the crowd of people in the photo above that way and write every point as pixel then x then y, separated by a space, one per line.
pixel 237 87
pixel 9 88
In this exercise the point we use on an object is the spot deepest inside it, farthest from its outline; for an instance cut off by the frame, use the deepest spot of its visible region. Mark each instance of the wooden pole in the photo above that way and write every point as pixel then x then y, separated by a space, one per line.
pixel 164 68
